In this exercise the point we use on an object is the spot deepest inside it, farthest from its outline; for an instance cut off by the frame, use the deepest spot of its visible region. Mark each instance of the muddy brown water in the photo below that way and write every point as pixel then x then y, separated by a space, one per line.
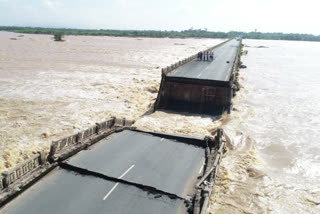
pixel 273 160
pixel 52 89
pixel 49 89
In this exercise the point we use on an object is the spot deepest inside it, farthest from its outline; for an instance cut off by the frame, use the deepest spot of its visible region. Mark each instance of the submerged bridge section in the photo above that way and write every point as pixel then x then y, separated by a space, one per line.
pixel 201 86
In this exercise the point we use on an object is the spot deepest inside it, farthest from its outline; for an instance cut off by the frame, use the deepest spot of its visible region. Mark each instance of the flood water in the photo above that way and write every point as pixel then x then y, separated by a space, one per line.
pixel 273 161
pixel 49 90
pixel 52 89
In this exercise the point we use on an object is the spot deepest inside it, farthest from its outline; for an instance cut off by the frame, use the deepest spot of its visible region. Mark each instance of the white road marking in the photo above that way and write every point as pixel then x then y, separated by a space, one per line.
pixel 107 195
pixel 162 139
pixel 115 186
pixel 126 172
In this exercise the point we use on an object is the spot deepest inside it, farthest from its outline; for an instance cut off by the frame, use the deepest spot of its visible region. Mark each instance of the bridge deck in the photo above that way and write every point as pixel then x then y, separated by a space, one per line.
pixel 141 158
pixel 218 69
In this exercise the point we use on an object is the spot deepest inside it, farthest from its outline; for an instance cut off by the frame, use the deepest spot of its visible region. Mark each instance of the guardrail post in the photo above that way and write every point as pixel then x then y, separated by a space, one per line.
pixel 219 135
pixel 113 121
pixel 42 157
pixel 98 128
pixel 1 183
pixel 5 179
pixel 79 137
pixel 53 149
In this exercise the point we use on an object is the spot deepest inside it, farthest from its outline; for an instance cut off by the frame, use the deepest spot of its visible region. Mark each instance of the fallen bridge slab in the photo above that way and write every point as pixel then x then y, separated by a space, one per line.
pixel 201 86
pixel 158 162
pixel 127 172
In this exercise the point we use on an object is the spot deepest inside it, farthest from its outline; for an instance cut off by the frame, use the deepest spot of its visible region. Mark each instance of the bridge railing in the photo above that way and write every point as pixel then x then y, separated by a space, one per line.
pixel 26 167
pixel 123 122
pixel 105 125
pixel 67 142
pixel 17 179
pixel 77 141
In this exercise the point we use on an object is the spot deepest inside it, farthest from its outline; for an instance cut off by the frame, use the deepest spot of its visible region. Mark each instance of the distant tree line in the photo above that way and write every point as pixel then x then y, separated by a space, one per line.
pixel 190 33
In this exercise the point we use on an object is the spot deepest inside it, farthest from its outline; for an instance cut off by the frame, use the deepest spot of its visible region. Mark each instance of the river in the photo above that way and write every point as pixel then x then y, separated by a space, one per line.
pixel 53 89
pixel 273 159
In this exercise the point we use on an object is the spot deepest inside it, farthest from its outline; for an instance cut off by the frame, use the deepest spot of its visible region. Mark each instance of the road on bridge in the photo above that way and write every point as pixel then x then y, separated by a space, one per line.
pixel 168 166
pixel 218 69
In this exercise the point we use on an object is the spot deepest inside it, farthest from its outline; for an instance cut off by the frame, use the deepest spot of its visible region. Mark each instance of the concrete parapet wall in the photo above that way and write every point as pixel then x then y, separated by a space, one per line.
pixel 16 180
pixel 69 145
pixel 89 132
pixel 22 169
pixel 105 125
pixel 123 122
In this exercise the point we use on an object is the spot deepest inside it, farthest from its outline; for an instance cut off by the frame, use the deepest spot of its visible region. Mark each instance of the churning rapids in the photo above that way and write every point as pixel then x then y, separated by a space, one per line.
pixel 52 89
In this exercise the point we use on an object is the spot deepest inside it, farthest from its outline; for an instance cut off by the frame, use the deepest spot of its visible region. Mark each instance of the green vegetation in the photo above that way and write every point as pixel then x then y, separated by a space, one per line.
pixel 194 33
pixel 58 36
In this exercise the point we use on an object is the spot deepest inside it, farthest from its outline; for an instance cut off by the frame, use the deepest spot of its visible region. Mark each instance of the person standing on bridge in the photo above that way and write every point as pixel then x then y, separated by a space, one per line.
pixel 211 55
pixel 199 56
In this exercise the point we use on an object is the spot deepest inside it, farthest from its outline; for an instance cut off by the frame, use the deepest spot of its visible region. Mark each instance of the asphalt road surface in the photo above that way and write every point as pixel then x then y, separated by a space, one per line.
pixel 218 69
pixel 142 158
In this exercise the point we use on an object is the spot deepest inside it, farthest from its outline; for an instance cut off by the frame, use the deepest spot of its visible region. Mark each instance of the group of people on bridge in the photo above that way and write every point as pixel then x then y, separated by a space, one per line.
pixel 205 56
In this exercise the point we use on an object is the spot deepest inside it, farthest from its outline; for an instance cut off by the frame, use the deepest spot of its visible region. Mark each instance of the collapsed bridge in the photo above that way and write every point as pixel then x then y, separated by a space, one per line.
pixel 198 86
pixel 112 167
